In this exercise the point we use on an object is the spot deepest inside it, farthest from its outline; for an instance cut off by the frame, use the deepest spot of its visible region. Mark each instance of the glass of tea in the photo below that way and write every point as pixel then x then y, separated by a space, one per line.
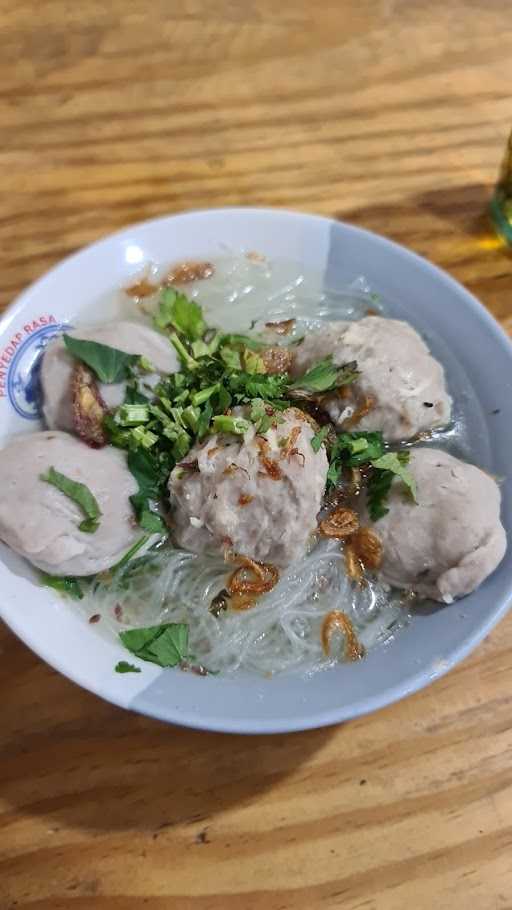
pixel 501 202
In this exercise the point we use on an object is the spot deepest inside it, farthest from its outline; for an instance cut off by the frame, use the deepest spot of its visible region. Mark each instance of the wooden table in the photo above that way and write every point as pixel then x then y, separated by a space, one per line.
pixel 389 114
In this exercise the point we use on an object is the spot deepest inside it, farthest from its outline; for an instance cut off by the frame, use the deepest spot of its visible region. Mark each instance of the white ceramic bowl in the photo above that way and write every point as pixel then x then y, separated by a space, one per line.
pixel 411 288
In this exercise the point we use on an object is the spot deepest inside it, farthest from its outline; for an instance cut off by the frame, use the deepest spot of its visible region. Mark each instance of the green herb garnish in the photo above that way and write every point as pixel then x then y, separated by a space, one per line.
pixel 132 394
pixel 143 437
pixel 386 468
pixel 189 362
pixel 262 415
pixel 359 448
pixel 65 585
pixel 203 421
pixel 109 364
pixel 253 363
pixel 124 667
pixel 80 494
pixel 200 397
pixel 319 438
pixel 244 341
pixel 165 645
pixel 247 386
pixel 177 311
pixel 333 474
pixel 224 424
pixel 351 450
pixel 130 415
pixel 151 475
pixel 145 365
pixel 145 469
pixel 377 492
pixel 325 376
pixel 231 358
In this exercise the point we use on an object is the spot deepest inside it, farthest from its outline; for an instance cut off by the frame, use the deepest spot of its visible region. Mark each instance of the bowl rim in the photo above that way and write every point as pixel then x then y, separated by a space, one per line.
pixel 388 696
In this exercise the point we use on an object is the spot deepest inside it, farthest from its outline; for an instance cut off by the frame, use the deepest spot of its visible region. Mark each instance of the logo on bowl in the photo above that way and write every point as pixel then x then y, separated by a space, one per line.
pixel 20 365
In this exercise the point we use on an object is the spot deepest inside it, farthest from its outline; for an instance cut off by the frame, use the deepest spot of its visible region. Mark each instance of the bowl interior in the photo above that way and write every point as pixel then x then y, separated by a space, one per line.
pixel 460 333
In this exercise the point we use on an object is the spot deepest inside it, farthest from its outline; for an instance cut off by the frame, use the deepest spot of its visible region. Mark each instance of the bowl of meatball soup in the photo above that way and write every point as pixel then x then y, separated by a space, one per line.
pixel 254 470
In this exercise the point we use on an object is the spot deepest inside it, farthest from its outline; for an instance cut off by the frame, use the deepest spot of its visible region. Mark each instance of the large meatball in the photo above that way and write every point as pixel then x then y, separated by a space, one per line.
pixel 445 546
pixel 41 523
pixel 401 386
pixel 259 495
pixel 57 366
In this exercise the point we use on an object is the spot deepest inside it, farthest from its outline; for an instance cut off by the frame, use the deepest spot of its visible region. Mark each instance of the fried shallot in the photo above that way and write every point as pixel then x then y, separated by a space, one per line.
pixel 368 547
pixel 252 577
pixel 340 524
pixel 186 272
pixel 281 328
pixel 338 621
pixel 270 466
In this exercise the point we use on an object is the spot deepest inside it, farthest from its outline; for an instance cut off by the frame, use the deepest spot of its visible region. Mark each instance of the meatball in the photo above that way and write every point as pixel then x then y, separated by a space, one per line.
pixel 401 390
pixel 259 495
pixel 447 544
pixel 57 366
pixel 41 523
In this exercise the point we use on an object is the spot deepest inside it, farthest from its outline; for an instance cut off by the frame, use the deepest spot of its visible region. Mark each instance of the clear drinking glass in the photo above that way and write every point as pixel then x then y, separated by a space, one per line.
pixel 501 202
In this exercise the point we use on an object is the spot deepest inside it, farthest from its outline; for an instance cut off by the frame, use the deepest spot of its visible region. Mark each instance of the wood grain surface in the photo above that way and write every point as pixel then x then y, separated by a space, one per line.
pixel 392 115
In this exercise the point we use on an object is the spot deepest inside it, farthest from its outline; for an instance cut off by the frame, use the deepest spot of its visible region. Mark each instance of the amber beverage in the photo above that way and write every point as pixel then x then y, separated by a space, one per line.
pixel 501 202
